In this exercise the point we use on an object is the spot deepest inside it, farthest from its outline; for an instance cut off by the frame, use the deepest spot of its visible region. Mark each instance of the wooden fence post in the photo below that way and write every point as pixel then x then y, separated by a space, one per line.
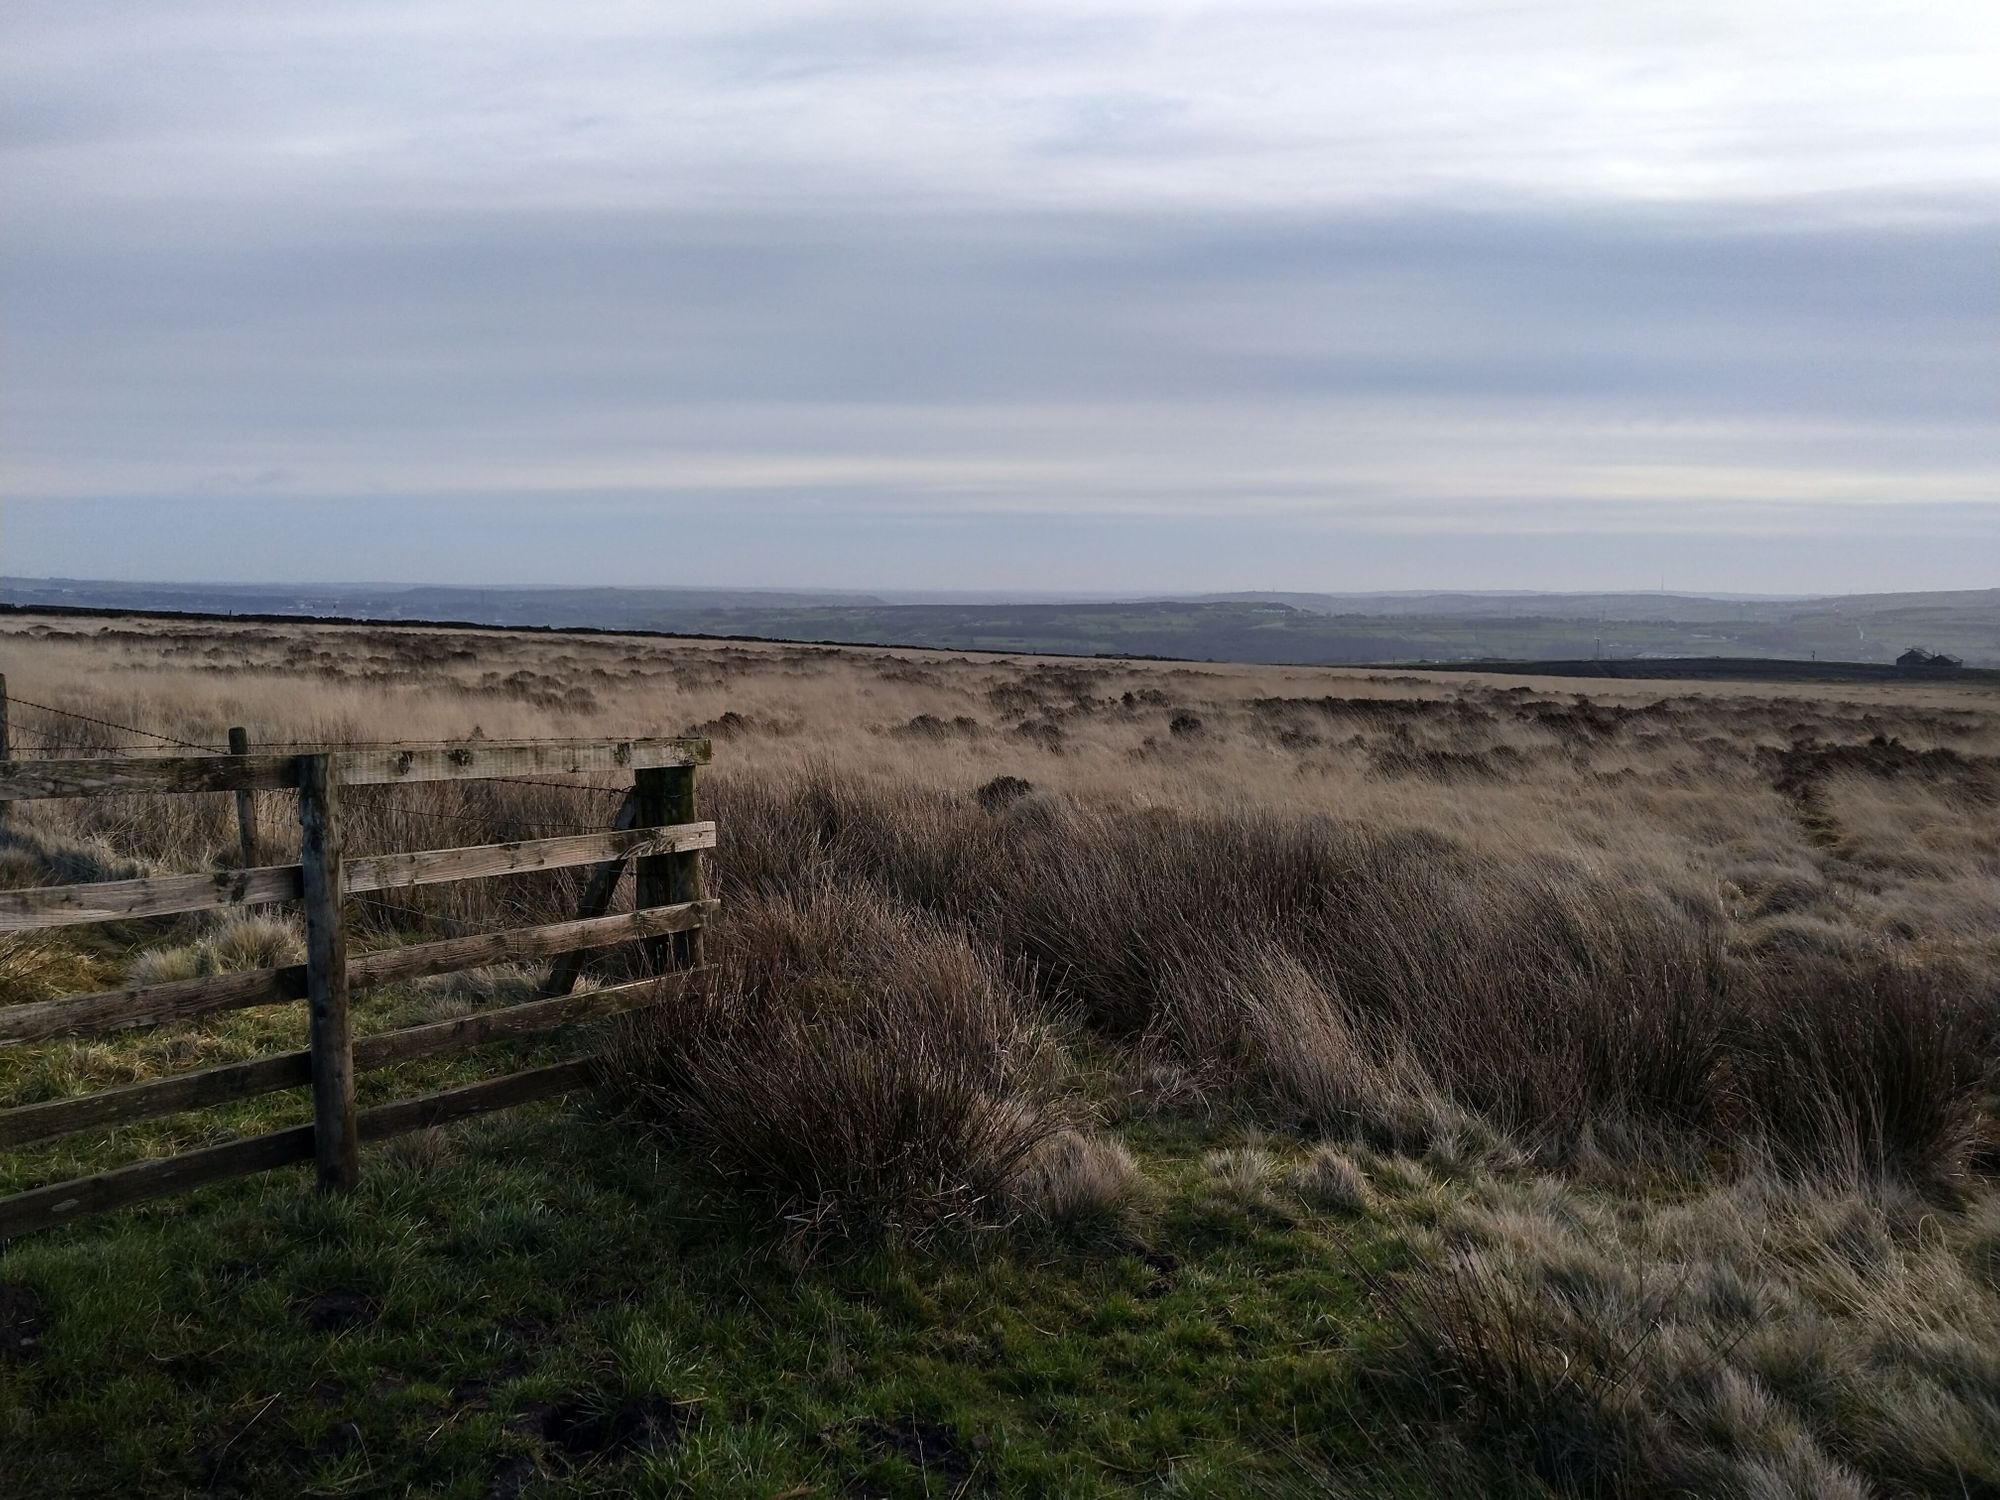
pixel 246 804
pixel 6 736
pixel 597 894
pixel 667 796
pixel 336 1135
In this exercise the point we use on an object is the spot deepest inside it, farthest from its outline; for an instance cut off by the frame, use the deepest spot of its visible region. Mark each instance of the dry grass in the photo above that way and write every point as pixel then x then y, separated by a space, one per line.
pixel 1720 966
pixel 1753 1339
pixel 858 1068
pixel 1075 1178
pixel 42 966
pixel 234 942
pixel 1331 1178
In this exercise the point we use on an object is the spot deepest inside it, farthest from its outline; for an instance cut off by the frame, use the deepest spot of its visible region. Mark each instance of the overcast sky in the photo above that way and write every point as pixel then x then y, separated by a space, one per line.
pixel 1350 294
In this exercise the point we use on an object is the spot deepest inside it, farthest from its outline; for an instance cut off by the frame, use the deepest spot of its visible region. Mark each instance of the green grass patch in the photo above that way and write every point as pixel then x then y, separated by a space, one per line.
pixel 542 1305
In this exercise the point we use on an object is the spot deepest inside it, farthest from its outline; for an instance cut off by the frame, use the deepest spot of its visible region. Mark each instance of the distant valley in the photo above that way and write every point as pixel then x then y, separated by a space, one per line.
pixel 1304 628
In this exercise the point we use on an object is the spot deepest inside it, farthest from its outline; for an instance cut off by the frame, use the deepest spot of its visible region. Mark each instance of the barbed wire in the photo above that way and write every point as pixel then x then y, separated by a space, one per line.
pixel 327 744
pixel 153 734
pixel 483 820
pixel 560 786
pixel 406 744
pixel 459 925
pixel 464 928
pixel 44 741
pixel 435 815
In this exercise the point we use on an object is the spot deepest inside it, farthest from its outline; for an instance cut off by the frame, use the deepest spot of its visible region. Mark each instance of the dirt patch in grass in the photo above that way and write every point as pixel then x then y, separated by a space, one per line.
pixel 1798 770
pixel 582 1429
pixel 338 1311
pixel 24 1322
pixel 937 1450
pixel 510 1480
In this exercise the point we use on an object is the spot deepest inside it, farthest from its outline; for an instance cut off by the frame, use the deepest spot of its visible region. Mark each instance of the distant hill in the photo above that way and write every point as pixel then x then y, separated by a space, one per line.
pixel 1678 608
pixel 1729 669
pixel 606 608
pixel 1276 627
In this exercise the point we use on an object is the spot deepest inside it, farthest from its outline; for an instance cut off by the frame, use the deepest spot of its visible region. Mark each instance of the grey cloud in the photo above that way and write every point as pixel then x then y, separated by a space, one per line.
pixel 1840 323
pixel 1260 269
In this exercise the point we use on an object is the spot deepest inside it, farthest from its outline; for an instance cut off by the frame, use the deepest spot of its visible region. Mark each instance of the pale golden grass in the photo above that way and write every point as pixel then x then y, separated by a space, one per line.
pixel 1331 1178
pixel 234 942
pixel 1076 1178
pixel 1748 1339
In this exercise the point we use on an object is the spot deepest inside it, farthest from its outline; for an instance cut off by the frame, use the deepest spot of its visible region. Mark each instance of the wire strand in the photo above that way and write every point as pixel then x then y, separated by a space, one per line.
pixel 478 819
pixel 560 786
pixel 153 734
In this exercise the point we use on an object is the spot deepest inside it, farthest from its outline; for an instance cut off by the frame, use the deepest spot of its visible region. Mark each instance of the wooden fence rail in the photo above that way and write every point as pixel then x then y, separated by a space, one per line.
pixel 159 896
pixel 656 831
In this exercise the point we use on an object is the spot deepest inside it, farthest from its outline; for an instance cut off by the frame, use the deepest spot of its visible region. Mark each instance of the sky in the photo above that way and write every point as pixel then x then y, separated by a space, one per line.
pixel 1050 295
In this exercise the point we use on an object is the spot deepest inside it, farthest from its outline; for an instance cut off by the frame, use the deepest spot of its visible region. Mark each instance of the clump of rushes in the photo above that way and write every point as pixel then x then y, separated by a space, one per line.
pixel 1331 1179
pixel 1405 991
pixel 1878 1065
pixel 859 1069
pixel 1075 1179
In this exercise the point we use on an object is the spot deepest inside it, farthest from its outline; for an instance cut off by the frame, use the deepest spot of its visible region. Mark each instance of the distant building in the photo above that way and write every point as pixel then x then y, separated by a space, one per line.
pixel 1917 659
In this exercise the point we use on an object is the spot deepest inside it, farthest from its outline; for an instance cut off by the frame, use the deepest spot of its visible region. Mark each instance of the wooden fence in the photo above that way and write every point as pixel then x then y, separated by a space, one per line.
pixel 656 827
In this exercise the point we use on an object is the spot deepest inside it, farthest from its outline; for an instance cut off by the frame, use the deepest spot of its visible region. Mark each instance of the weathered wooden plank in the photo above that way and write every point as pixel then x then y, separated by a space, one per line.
pixel 524 944
pixel 227 1082
pixel 386 1120
pixel 149 1004
pixel 64 1202
pixel 24 780
pixel 442 1038
pixel 597 894
pixel 164 895
pixel 150 896
pixel 155 1097
pixel 335 1143
pixel 180 999
pixel 471 761
pixel 424 867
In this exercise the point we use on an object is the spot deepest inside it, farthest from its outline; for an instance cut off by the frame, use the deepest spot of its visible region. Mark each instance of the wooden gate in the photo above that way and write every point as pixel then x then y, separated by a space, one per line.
pixel 656 827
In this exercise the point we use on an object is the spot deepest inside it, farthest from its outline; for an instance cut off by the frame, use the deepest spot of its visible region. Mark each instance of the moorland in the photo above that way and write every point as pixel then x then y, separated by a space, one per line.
pixel 1116 1078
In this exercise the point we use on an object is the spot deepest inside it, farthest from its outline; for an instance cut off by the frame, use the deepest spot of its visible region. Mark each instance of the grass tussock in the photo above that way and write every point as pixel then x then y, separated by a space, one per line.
pixel 857 1068
pixel 1759 1338
pixel 1075 1179
pixel 1882 1064
pixel 1331 1179
pixel 234 943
